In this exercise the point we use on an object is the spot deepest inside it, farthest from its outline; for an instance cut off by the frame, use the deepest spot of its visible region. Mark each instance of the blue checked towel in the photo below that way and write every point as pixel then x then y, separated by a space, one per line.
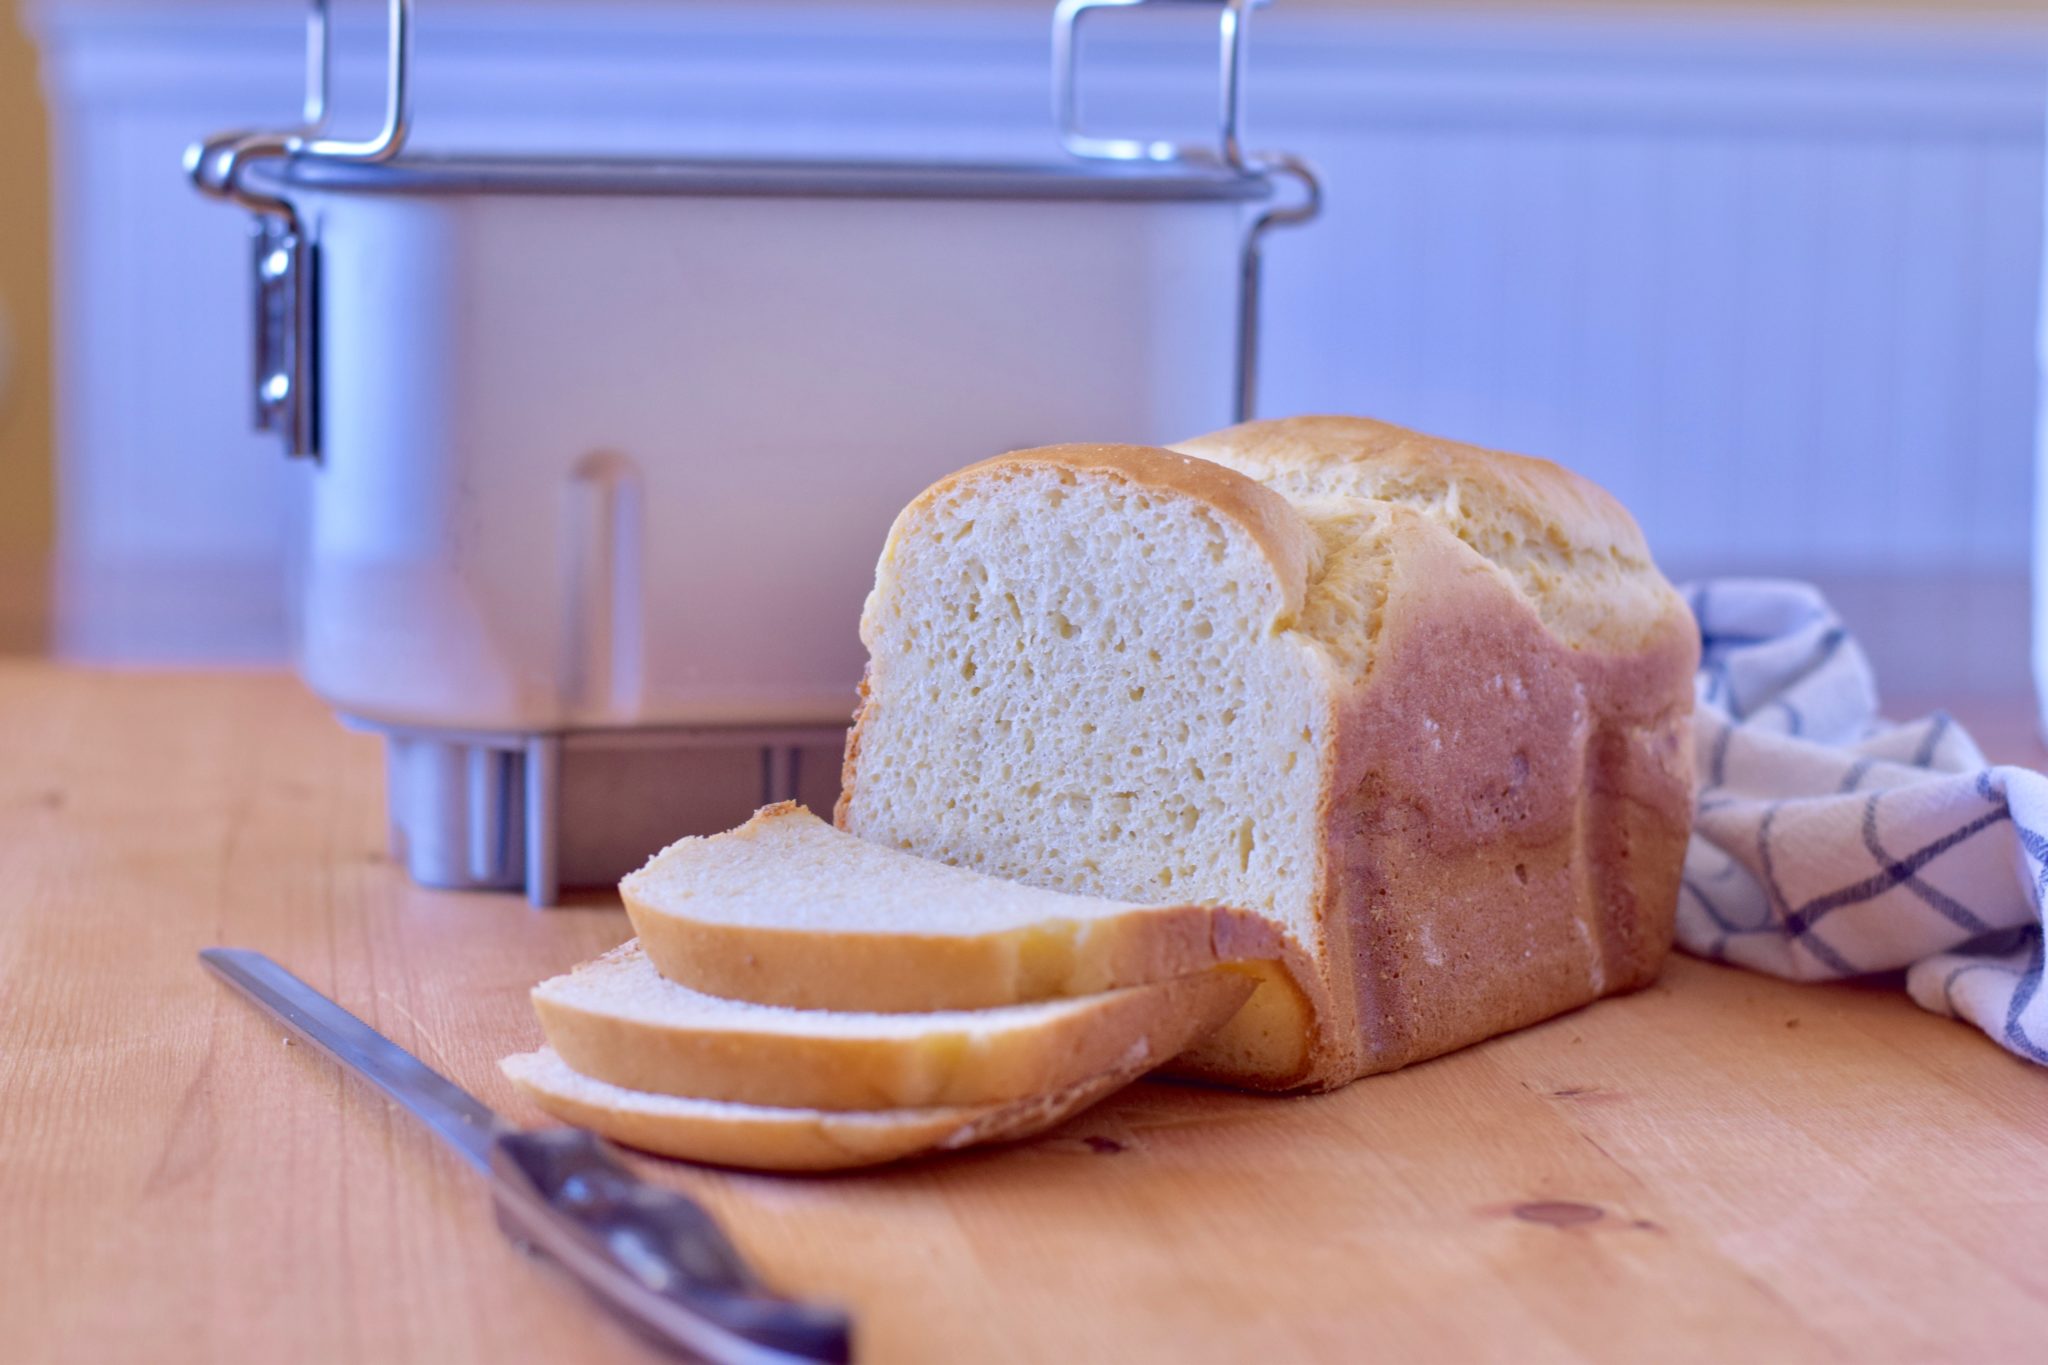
pixel 1829 843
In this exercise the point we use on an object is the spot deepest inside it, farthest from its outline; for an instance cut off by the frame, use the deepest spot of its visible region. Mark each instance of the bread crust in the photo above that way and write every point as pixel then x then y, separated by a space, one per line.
pixel 1577 531
pixel 1511 797
pixel 1583 511
pixel 824 1060
pixel 1506 818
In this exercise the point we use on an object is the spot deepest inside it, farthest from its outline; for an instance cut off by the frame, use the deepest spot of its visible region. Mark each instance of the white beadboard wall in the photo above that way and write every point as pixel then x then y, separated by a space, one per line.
pixel 1775 281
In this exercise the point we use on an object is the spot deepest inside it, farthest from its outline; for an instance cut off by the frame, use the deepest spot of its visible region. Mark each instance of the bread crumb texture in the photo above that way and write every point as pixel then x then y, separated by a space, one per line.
pixel 1092 683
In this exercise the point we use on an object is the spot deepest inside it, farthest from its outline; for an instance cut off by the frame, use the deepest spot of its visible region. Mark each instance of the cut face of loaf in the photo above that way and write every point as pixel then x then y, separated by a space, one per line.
pixel 617 1019
pixel 1082 675
pixel 1462 794
pixel 787 910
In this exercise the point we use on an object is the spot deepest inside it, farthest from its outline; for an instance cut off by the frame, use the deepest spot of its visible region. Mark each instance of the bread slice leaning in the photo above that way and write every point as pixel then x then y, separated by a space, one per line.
pixel 787 910
pixel 617 1019
pixel 762 1138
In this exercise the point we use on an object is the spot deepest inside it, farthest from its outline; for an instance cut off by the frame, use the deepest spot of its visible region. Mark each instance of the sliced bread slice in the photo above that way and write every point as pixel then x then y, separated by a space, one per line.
pixel 771 1139
pixel 787 910
pixel 617 1019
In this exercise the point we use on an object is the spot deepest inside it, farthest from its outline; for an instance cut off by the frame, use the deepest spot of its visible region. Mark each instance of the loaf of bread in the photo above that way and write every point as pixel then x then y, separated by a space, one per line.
pixel 1424 708
pixel 617 1019
pixel 764 1138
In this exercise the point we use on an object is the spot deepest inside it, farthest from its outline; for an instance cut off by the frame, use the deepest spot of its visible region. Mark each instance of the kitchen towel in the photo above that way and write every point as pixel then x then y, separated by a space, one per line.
pixel 1829 843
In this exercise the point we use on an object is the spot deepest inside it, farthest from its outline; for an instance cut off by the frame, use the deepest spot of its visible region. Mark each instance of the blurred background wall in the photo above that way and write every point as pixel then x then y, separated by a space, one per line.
pixel 1770 271
pixel 26 452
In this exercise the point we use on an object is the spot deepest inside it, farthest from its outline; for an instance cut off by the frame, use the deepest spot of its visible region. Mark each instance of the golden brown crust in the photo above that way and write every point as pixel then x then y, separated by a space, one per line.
pixel 1570 547
pixel 1511 789
pixel 812 1060
pixel 1507 816
pixel 1587 513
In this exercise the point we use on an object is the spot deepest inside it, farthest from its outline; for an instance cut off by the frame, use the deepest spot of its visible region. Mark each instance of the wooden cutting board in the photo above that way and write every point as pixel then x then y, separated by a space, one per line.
pixel 1721 1168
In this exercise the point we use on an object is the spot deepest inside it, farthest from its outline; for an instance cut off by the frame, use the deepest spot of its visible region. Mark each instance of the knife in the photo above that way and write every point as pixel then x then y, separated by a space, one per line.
pixel 652 1256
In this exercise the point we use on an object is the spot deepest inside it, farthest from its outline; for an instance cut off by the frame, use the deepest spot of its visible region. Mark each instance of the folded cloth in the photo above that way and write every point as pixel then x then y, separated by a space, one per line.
pixel 1829 843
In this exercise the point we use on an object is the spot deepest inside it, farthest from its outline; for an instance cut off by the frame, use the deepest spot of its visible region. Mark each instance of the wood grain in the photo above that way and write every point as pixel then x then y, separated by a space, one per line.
pixel 1723 1167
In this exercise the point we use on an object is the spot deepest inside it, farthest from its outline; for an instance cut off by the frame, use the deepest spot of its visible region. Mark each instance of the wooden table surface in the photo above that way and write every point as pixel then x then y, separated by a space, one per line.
pixel 1721 1168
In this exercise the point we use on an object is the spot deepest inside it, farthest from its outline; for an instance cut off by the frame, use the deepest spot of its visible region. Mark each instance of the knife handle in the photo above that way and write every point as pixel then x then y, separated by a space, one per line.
pixel 651 1254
